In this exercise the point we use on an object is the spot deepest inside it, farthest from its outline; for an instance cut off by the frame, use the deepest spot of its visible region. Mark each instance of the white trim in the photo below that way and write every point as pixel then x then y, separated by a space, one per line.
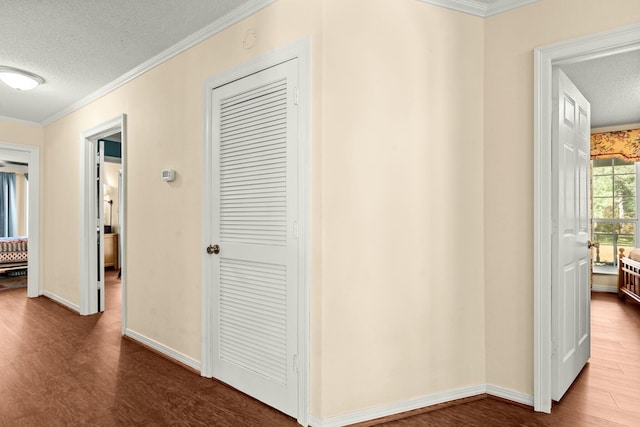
pixel 123 222
pixel 315 421
pixel 304 199
pixel 62 301
pixel 399 407
pixel 301 50
pixel 24 122
pixel 420 403
pixel 616 128
pixel 606 271
pixel 236 15
pixel 88 240
pixel 576 50
pixel 613 270
pixel 602 288
pixel 480 8
pixel 501 6
pixel 161 348
pixel 33 227
pixel 514 396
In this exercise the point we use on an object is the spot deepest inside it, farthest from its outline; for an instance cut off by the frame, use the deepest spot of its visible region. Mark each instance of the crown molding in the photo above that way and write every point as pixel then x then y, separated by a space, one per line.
pixel 22 122
pixel 480 8
pixel 221 24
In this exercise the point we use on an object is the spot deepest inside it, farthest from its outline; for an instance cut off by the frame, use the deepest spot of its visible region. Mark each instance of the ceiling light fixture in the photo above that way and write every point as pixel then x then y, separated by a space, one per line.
pixel 19 79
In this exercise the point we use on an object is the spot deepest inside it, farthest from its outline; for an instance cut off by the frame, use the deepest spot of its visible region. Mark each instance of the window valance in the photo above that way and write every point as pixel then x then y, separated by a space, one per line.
pixel 621 144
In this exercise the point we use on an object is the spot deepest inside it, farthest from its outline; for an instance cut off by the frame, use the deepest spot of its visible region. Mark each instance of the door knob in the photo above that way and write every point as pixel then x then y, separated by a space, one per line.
pixel 592 244
pixel 213 249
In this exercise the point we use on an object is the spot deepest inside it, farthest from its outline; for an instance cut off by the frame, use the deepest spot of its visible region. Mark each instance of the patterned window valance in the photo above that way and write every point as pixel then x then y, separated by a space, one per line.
pixel 621 144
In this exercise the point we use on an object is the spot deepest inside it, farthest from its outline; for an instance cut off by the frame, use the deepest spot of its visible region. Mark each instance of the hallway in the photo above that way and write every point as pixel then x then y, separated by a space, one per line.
pixel 59 369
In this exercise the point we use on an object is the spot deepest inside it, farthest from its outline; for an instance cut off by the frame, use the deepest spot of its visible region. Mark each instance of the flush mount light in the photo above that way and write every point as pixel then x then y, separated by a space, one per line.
pixel 19 79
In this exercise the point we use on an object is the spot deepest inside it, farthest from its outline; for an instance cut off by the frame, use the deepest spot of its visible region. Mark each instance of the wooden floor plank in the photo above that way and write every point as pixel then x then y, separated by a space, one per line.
pixel 59 368
pixel 605 393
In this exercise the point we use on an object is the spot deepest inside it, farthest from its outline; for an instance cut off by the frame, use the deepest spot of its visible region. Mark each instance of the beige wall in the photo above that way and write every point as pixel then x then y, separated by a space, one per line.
pixel 402 196
pixel 25 134
pixel 421 254
pixel 164 119
pixel 509 42
pixel 396 195
pixel 19 133
pixel 605 282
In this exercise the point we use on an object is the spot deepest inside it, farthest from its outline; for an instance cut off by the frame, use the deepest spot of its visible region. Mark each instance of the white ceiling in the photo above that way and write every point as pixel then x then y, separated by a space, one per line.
pixel 79 46
pixel 611 85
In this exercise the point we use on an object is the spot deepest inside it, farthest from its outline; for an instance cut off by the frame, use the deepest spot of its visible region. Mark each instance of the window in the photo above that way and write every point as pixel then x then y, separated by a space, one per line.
pixel 614 207
pixel 8 212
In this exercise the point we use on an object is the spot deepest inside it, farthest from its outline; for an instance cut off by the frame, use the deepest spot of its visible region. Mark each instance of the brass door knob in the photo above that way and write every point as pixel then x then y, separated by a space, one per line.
pixel 592 244
pixel 213 249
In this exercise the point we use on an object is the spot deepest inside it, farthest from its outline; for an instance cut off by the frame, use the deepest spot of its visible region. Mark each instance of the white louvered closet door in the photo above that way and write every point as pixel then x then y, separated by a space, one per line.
pixel 255 127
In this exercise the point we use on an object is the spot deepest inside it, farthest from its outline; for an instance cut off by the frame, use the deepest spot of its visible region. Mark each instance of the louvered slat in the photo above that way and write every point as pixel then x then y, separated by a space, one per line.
pixel 253 317
pixel 253 165
pixel 252 210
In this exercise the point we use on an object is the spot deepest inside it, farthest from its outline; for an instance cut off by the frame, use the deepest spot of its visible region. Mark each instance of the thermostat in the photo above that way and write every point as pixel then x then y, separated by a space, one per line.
pixel 168 175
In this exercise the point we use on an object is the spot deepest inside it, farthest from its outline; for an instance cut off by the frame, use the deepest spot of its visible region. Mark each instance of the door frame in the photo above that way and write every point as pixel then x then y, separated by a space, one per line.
pixel 619 40
pixel 33 245
pixel 300 50
pixel 88 240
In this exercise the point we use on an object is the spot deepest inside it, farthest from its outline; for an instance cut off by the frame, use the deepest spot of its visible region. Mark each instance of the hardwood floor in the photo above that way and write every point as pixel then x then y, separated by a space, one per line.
pixel 606 393
pixel 59 368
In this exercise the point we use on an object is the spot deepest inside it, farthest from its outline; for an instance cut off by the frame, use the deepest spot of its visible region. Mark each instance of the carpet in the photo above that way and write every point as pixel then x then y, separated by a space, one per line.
pixel 12 282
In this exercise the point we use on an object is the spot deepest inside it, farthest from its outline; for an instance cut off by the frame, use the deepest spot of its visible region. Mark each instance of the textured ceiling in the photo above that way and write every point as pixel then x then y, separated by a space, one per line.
pixel 612 85
pixel 79 46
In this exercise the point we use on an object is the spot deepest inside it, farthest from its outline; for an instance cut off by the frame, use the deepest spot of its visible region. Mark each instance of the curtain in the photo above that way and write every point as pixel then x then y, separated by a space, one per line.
pixel 621 144
pixel 8 213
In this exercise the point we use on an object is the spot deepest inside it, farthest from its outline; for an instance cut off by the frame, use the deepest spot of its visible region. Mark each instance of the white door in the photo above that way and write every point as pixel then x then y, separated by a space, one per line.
pixel 254 132
pixel 571 290
pixel 100 221
pixel 120 222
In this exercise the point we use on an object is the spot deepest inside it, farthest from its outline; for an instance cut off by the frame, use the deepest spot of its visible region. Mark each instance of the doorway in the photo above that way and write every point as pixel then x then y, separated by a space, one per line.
pixel 27 159
pixel 546 58
pixel 101 189
pixel 111 183
pixel 234 260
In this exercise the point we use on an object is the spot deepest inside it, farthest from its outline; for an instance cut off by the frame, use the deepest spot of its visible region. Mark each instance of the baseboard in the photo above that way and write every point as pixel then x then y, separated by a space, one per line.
pixel 397 408
pixel 513 396
pixel 420 403
pixel 600 288
pixel 163 349
pixel 63 302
